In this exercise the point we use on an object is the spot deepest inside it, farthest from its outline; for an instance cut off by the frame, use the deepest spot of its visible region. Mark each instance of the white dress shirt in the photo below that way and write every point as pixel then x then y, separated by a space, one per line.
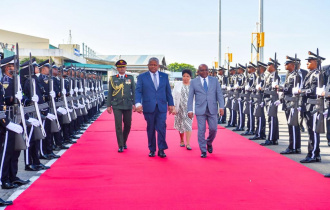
pixel 207 81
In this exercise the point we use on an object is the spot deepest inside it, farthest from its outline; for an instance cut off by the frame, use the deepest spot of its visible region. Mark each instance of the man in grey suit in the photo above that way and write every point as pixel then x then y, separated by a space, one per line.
pixel 208 96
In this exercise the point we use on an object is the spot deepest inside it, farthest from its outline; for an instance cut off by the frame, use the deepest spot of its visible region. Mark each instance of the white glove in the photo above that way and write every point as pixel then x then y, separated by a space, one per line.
pixel 223 86
pixel 247 87
pixel 325 114
pixel 319 91
pixel 236 86
pixel 34 122
pixel 87 101
pixel 52 94
pixel 250 102
pixel 92 88
pixel 81 90
pixel 71 92
pixel 278 102
pixel 262 104
pixel 64 91
pixel 228 88
pixel 62 110
pixel 81 106
pixel 35 98
pixel 75 107
pixel 295 90
pixel 239 99
pixel 19 95
pixel 14 127
pixel 274 84
pixel 76 89
pixel 51 116
pixel 70 110
pixel 88 89
pixel 258 86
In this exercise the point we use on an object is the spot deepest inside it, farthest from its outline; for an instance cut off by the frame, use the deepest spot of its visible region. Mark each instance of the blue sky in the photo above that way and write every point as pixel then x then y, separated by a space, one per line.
pixel 182 30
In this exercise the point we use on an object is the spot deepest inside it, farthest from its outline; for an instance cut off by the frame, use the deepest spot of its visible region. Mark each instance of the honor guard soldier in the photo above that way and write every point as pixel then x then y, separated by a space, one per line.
pixel 239 88
pixel 258 96
pixel 121 99
pixel 230 98
pixel 290 101
pixel 223 84
pixel 8 129
pixel 249 107
pixel 312 87
pixel 271 93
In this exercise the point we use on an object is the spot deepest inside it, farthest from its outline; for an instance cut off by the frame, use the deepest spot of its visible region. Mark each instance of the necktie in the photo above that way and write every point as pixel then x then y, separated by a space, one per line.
pixel 155 81
pixel 205 85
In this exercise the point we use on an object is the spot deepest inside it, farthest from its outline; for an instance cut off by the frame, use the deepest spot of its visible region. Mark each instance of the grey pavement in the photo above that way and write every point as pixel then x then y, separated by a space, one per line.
pixel 322 167
pixel 31 175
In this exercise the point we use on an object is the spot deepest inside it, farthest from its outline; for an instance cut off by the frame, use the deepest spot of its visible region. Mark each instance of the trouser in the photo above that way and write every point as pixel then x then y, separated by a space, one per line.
pixel 251 119
pixel 31 154
pixel 273 133
pixel 9 157
pixel 156 121
pixel 241 117
pixel 213 127
pixel 294 134
pixel 328 128
pixel 58 138
pixel 46 143
pixel 124 116
pixel 233 116
pixel 66 131
pixel 314 138
pixel 301 122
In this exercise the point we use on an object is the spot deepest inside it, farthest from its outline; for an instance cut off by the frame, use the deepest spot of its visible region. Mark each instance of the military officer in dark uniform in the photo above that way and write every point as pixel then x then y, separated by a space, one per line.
pixel 121 99
pixel 292 81
pixel 271 81
pixel 250 85
pixel 223 84
pixel 259 112
pixel 230 99
pixel 9 156
pixel 312 81
pixel 239 87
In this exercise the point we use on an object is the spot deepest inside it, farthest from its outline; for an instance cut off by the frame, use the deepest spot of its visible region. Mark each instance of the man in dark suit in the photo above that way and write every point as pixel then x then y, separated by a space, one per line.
pixel 152 96
pixel 302 73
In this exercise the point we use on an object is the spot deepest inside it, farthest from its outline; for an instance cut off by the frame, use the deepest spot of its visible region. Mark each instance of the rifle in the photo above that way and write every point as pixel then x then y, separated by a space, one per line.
pixel 84 110
pixel 70 99
pixel 319 102
pixel 64 99
pixel 52 105
pixel 18 108
pixel 35 108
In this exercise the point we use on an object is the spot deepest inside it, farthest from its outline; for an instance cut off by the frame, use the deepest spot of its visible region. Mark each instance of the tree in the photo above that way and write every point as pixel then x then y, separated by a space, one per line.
pixel 178 67
pixel 26 59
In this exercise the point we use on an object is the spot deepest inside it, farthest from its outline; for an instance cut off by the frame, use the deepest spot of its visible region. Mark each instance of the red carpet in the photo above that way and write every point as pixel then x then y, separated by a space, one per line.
pixel 240 174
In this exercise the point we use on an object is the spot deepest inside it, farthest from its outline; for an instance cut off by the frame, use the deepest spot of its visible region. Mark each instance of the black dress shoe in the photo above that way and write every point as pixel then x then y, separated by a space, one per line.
pixel 235 129
pixel 31 168
pixel 19 181
pixel 245 133
pixel 152 154
pixel 45 157
pixel 275 142
pixel 251 133
pixel 125 146
pixel 267 143
pixel 302 129
pixel 318 158
pixel 203 155
pixel 43 167
pixel 327 175
pixel 5 203
pixel 308 160
pixel 161 153
pixel 297 151
pixel 229 126
pixel 54 156
pixel 8 185
pixel 287 151
pixel 329 143
pixel 121 149
pixel 80 132
pixel 255 138
pixel 209 148
pixel 57 148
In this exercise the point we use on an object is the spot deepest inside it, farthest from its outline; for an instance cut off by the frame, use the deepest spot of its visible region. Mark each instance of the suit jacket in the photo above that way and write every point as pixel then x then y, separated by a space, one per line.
pixel 211 99
pixel 149 97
